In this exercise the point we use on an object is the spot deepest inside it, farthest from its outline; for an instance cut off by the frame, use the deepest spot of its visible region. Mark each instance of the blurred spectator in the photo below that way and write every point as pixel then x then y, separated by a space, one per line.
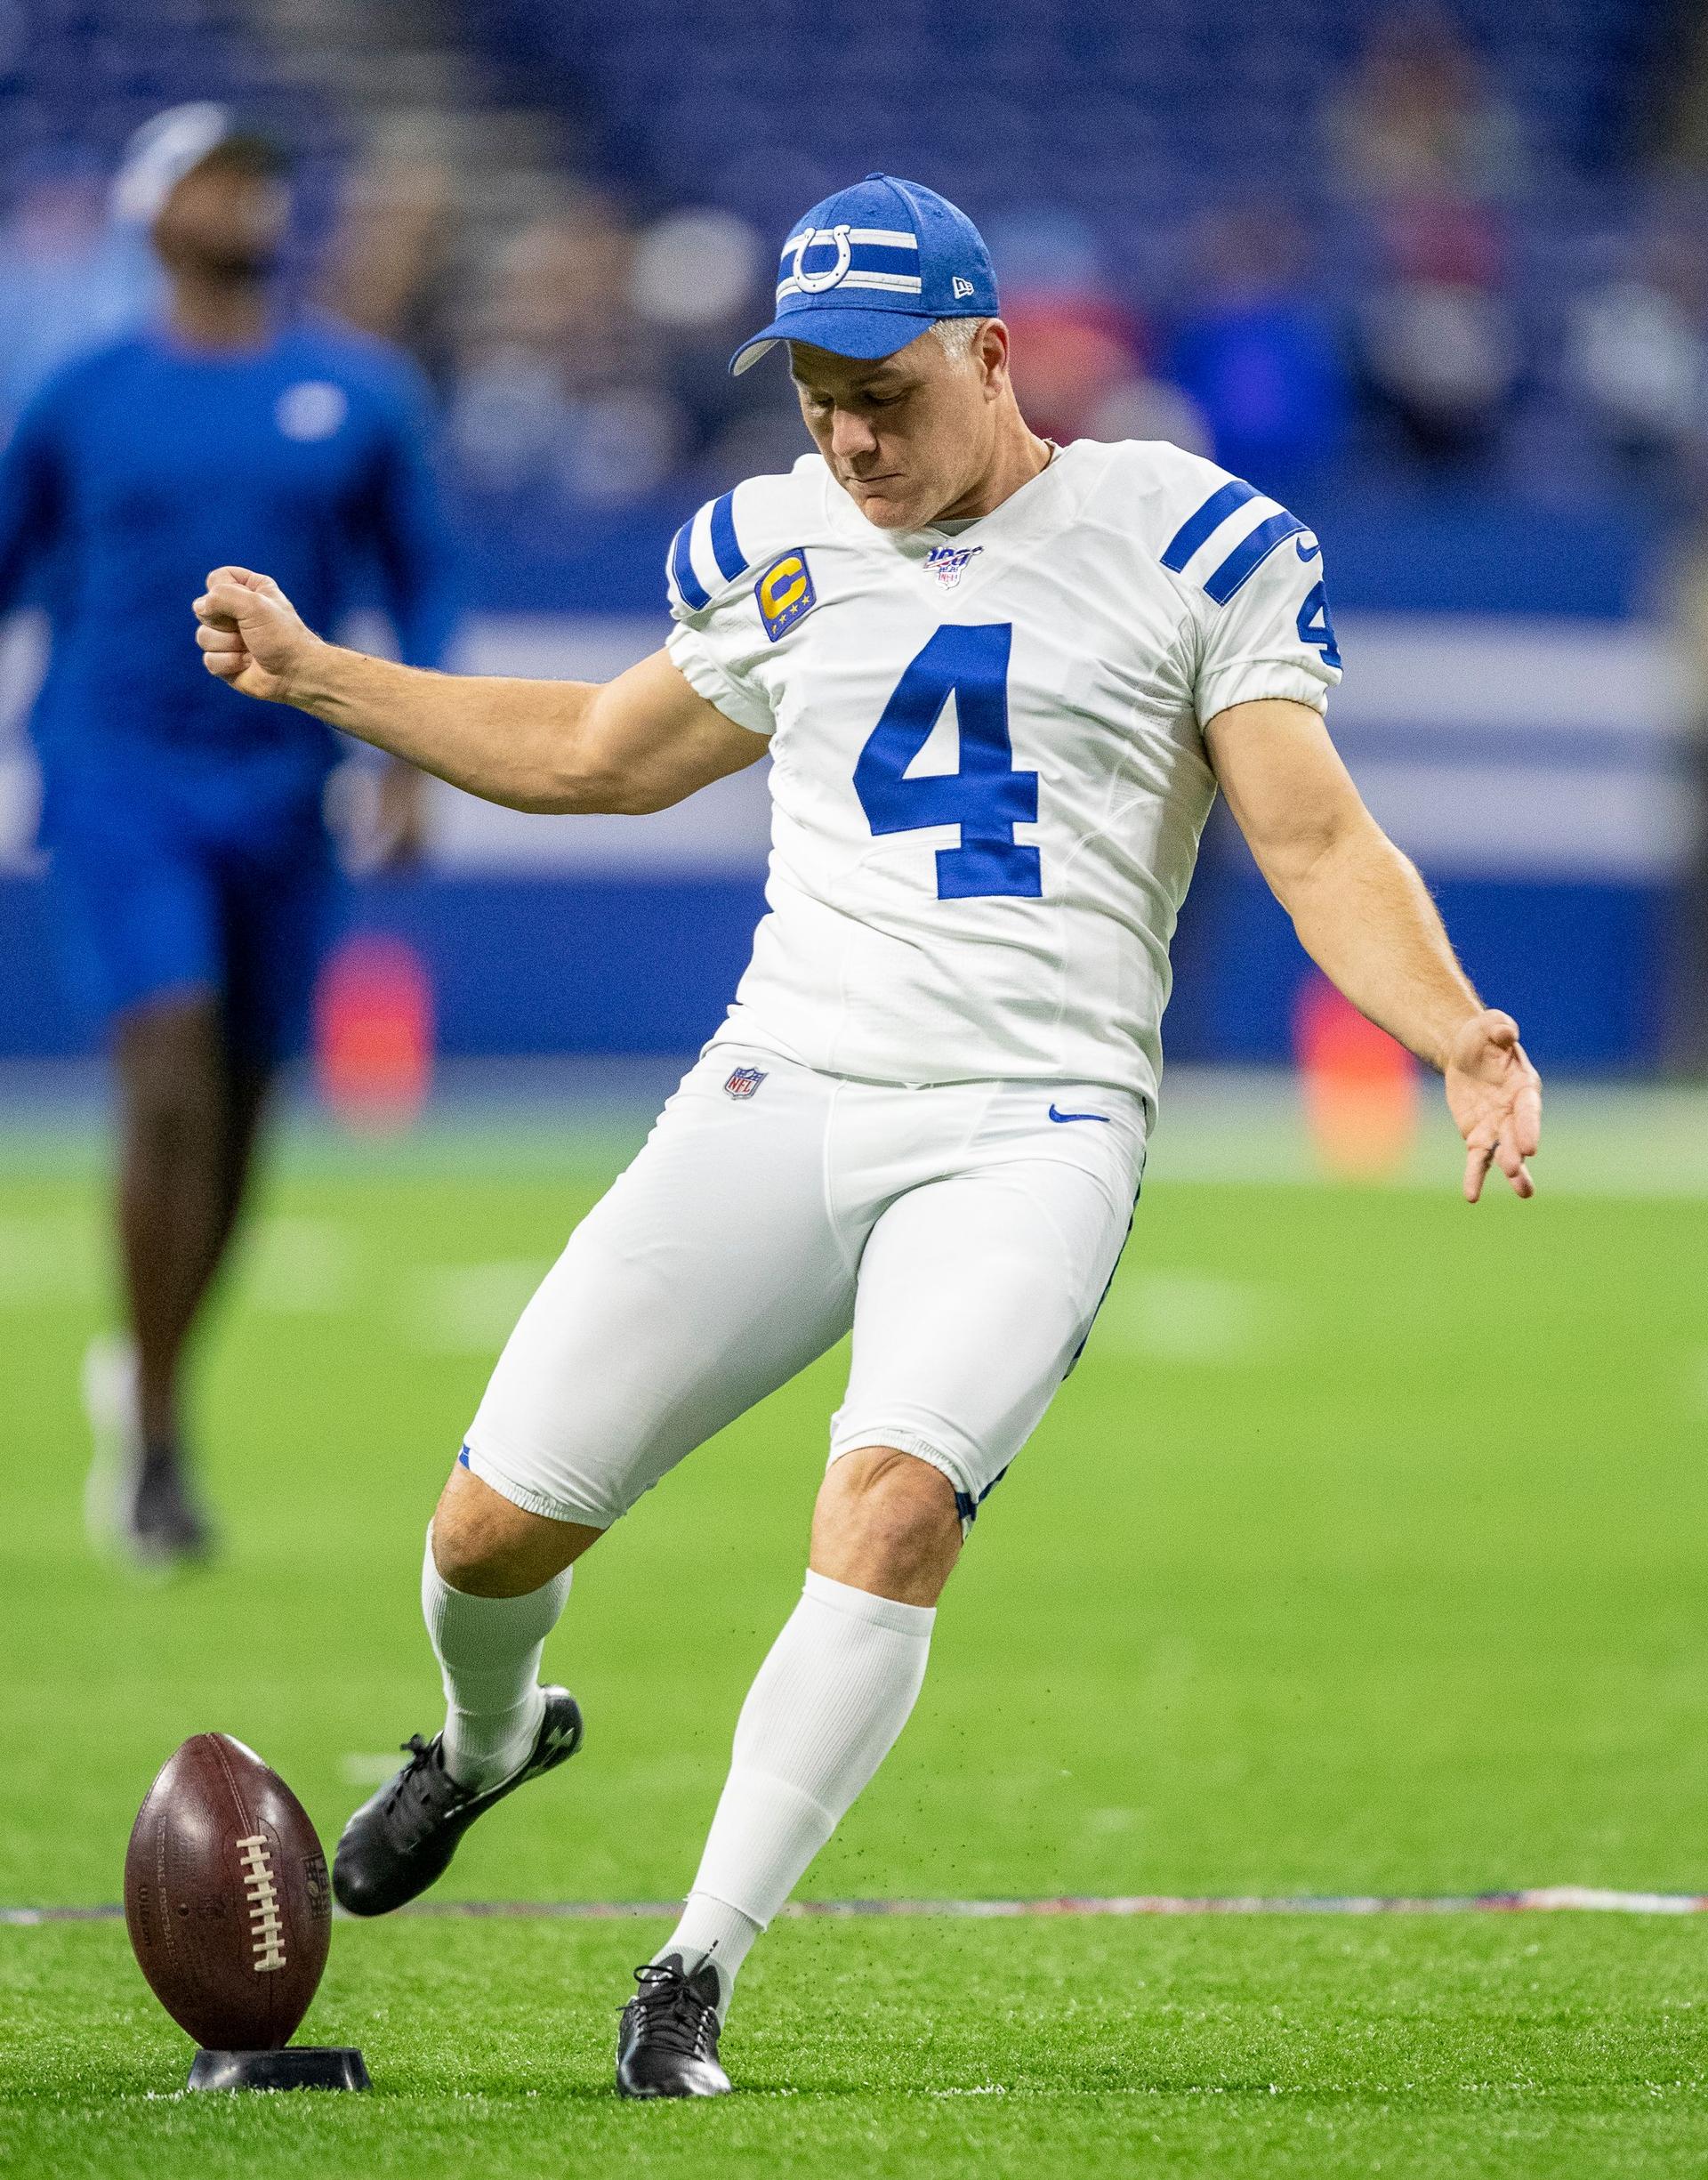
pixel 1637 356
pixel 1417 118
pixel 1257 353
pixel 694 271
pixel 1080 373
pixel 563 385
pixel 70 278
pixel 388 262
pixel 695 283
pixel 1438 344
pixel 1081 358
pixel 1071 352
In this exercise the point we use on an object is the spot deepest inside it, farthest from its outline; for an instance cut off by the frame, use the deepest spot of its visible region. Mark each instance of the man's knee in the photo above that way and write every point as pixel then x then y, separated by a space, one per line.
pixel 886 1522
pixel 487 1546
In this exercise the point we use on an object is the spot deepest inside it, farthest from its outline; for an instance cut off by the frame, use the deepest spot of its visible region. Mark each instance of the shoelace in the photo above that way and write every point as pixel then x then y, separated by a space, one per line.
pixel 671 2015
pixel 411 1783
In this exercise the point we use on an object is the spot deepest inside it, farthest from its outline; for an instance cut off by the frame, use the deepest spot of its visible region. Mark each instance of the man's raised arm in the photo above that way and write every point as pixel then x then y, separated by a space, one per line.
pixel 639 743
pixel 1364 916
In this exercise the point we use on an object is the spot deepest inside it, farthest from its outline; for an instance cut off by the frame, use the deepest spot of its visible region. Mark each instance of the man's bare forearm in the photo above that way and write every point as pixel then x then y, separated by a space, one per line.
pixel 640 742
pixel 515 742
pixel 1366 918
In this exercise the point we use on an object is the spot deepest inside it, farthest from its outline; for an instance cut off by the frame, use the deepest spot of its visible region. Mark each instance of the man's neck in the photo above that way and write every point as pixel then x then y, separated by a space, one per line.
pixel 219 313
pixel 1019 457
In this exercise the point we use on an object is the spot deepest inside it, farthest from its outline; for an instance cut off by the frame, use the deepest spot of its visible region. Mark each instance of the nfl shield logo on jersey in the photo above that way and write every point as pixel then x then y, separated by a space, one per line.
pixel 744 1081
pixel 949 563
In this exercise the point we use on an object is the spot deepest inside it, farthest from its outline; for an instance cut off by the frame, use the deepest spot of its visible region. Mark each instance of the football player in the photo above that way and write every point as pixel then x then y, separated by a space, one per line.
pixel 1000 682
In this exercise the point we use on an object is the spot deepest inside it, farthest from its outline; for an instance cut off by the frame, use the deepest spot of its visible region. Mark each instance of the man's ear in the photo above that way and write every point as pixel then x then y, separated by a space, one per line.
pixel 991 347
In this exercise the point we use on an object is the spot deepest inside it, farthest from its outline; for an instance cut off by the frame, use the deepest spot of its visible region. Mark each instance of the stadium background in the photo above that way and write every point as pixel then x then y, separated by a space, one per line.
pixel 1437 281
pixel 1363 1555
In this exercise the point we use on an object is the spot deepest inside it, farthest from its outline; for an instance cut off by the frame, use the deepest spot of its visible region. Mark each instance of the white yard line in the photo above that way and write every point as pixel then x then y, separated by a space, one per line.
pixel 1543 1899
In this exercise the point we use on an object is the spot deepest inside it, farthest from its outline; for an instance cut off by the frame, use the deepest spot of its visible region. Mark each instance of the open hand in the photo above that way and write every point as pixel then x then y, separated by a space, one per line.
pixel 1494 1095
pixel 251 634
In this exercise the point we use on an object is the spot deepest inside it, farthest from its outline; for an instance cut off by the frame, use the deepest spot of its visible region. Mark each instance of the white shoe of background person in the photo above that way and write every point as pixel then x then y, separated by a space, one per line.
pixel 110 1403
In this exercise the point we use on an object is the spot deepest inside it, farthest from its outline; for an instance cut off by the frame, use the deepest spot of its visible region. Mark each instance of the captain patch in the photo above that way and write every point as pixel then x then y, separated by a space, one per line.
pixel 784 593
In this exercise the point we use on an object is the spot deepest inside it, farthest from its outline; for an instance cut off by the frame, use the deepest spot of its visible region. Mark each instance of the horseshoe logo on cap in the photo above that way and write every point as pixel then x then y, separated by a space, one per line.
pixel 815 283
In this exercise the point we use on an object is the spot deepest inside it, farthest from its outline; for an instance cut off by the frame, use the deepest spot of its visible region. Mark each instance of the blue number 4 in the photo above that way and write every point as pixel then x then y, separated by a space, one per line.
pixel 1315 627
pixel 986 796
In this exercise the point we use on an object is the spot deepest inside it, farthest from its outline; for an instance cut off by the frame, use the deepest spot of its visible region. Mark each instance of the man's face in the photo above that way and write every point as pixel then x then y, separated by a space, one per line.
pixel 224 220
pixel 909 437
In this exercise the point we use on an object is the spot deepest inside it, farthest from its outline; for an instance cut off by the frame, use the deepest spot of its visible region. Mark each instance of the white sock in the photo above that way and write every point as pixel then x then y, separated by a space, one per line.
pixel 712 1927
pixel 820 1717
pixel 489 1652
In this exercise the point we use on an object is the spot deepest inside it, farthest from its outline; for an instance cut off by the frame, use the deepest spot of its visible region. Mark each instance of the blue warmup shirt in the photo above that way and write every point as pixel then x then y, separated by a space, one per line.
pixel 190 848
pixel 138 469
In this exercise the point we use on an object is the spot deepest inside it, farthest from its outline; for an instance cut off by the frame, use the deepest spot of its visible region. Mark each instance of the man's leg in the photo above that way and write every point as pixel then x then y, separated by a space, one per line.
pixel 976 1293
pixel 494 1582
pixel 188 1119
pixel 830 1698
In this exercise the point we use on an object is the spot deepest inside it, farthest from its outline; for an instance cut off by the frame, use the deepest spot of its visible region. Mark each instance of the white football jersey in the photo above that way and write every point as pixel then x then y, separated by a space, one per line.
pixel 988 774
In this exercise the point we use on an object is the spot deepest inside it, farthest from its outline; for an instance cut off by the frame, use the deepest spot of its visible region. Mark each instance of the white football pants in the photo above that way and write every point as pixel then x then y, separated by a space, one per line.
pixel 966 1234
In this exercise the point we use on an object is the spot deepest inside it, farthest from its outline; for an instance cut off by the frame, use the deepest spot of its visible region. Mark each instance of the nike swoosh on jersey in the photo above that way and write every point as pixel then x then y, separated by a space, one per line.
pixel 1054 1115
pixel 1314 553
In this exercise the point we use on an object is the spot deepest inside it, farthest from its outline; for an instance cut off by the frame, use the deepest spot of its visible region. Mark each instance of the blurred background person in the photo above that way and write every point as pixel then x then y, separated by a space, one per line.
pixel 1438 343
pixel 1084 351
pixel 390 260
pixel 194 873
pixel 1636 356
pixel 563 387
pixel 1418 118
pixel 1259 354
pixel 693 279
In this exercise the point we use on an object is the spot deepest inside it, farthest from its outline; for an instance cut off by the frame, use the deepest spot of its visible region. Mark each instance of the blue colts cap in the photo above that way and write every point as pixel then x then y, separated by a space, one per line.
pixel 866 271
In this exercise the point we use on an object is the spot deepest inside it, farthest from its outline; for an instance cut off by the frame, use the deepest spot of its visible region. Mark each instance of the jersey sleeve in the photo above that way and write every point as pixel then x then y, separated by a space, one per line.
pixel 411 538
pixel 1264 626
pixel 31 491
pixel 718 638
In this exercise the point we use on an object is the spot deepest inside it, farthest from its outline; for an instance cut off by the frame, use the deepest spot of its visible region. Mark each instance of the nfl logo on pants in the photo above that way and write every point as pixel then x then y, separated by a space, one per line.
pixel 744 1081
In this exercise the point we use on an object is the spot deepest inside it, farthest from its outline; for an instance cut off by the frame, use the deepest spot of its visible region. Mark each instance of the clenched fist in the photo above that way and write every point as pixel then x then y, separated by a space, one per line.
pixel 252 635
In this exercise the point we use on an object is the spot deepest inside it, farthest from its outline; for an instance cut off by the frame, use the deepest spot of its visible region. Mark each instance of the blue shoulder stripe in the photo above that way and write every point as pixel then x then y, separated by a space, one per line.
pixel 1214 512
pixel 695 594
pixel 1247 558
pixel 727 552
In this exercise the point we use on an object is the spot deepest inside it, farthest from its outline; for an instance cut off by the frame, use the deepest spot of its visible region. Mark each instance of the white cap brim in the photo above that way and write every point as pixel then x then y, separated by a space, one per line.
pixel 161 153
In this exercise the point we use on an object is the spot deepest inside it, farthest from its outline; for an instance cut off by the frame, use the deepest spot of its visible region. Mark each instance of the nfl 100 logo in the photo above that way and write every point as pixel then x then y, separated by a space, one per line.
pixel 744 1081
pixel 949 563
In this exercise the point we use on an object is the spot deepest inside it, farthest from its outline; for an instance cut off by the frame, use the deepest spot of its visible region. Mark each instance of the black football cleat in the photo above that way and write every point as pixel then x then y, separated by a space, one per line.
pixel 667 2044
pixel 402 1838
pixel 138 1497
pixel 162 1524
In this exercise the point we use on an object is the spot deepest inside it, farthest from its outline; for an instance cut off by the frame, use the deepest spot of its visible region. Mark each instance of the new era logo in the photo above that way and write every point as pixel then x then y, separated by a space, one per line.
pixel 744 1081
pixel 963 288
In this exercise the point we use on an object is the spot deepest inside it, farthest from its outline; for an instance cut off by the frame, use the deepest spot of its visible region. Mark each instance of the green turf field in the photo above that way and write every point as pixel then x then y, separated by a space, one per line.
pixel 1363 1553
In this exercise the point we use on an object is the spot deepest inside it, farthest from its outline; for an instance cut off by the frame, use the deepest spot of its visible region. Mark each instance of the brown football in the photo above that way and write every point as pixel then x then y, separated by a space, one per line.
pixel 226 1896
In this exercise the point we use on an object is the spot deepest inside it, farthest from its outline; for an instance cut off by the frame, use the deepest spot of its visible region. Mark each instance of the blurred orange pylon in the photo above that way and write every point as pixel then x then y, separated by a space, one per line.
pixel 374 1033
pixel 1360 1088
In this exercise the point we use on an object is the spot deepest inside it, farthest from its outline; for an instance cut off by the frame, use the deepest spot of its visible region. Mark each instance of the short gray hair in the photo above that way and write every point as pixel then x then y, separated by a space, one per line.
pixel 958 335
